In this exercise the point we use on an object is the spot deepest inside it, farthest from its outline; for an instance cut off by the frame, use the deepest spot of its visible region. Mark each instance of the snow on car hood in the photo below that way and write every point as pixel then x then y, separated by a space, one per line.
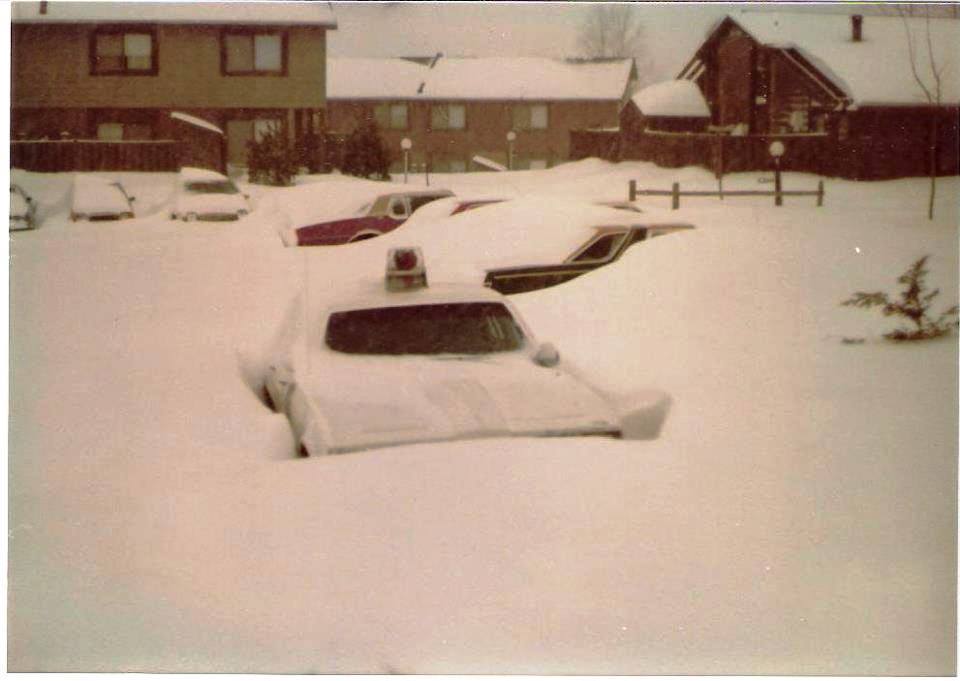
pixel 98 196
pixel 381 401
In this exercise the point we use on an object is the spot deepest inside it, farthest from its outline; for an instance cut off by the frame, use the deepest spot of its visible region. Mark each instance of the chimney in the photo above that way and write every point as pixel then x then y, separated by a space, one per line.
pixel 43 6
pixel 856 23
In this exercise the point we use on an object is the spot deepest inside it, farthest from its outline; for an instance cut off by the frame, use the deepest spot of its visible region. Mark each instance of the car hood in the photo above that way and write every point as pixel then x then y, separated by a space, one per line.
pixel 101 199
pixel 211 203
pixel 375 402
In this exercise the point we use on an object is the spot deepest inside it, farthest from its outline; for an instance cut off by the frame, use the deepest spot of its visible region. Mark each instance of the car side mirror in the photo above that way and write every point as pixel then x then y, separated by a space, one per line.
pixel 547 355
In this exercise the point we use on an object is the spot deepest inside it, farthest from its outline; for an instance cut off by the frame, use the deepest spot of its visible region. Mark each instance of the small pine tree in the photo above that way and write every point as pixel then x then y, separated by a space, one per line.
pixel 271 159
pixel 364 153
pixel 914 304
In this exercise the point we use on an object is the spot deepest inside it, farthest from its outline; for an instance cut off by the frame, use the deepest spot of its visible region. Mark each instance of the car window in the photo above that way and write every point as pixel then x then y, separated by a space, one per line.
pixel 447 328
pixel 600 248
pixel 417 201
pixel 212 187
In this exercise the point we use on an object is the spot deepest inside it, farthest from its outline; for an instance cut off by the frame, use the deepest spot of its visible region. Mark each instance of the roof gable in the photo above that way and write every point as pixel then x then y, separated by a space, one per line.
pixel 875 70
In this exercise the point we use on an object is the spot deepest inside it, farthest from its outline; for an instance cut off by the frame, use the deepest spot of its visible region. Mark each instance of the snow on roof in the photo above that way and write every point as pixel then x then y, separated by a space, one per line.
pixel 193 120
pixel 235 12
pixel 875 70
pixel 533 78
pixel 530 78
pixel 672 98
pixel 361 78
pixel 191 174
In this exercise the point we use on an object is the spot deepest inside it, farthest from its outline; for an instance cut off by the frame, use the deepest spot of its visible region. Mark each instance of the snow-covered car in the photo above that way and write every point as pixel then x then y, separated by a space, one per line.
pixel 99 198
pixel 23 209
pixel 606 245
pixel 406 363
pixel 203 194
pixel 384 214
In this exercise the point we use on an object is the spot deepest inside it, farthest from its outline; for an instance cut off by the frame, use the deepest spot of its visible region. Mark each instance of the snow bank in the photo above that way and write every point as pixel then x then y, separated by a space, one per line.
pixel 797 515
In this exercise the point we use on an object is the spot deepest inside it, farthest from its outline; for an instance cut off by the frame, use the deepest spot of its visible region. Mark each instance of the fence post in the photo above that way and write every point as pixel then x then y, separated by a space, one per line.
pixel 819 193
pixel 676 195
pixel 633 190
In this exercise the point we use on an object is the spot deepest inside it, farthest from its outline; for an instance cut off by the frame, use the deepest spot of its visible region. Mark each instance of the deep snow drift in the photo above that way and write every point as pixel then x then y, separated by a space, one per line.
pixel 797 515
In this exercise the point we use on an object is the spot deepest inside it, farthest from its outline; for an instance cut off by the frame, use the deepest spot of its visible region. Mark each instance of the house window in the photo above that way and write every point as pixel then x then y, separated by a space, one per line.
pixel 118 132
pixel 242 131
pixel 254 53
pixel 530 117
pixel 448 117
pixel 120 52
pixel 391 116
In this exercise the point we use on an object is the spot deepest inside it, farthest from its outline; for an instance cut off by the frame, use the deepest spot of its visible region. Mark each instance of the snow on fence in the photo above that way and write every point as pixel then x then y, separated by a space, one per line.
pixel 52 156
pixel 776 193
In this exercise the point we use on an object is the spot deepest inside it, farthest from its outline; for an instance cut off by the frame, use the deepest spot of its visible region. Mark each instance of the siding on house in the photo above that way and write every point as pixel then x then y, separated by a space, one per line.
pixel 575 95
pixel 56 93
pixel 485 133
pixel 844 104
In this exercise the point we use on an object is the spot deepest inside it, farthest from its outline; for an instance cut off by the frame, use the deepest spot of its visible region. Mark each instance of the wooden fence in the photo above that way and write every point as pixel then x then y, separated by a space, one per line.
pixel 51 156
pixel 777 193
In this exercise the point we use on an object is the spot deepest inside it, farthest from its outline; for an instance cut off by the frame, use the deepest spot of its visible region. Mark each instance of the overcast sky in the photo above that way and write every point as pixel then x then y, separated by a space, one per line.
pixel 672 30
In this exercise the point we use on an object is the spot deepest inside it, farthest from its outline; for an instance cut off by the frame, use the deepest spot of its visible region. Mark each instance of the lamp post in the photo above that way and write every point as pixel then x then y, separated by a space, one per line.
pixel 406 145
pixel 511 138
pixel 777 150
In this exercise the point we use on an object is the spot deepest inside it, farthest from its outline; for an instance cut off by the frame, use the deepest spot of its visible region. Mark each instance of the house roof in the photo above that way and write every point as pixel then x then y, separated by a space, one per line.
pixel 528 78
pixel 473 78
pixel 362 78
pixel 672 98
pixel 875 70
pixel 236 12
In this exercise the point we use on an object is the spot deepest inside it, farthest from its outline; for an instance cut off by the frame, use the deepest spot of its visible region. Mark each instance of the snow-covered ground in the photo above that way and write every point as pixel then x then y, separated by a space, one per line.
pixel 797 516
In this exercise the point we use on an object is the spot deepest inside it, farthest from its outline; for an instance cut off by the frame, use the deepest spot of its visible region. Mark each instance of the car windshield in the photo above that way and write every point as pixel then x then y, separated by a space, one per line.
pixel 448 328
pixel 213 187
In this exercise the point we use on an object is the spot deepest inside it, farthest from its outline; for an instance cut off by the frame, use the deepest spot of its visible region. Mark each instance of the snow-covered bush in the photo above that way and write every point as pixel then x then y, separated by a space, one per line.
pixel 271 159
pixel 914 304
pixel 364 153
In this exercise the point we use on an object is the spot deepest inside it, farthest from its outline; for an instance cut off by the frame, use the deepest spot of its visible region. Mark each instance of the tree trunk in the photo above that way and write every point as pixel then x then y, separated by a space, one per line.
pixel 933 163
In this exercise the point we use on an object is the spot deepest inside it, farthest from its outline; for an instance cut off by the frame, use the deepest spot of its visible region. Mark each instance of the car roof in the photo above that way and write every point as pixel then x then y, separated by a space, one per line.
pixel 422 192
pixel 189 174
pixel 373 294
pixel 665 226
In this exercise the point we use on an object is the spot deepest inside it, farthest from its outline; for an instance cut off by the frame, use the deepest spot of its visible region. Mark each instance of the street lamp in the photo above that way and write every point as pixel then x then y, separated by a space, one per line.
pixel 406 145
pixel 511 138
pixel 777 150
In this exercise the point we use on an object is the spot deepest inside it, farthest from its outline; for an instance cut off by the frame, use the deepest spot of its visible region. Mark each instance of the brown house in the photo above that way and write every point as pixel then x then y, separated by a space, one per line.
pixel 839 91
pixel 455 109
pixel 115 71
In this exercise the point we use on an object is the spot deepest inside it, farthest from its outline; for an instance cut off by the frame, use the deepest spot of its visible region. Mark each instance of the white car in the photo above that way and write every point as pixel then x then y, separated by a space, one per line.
pixel 99 198
pixel 207 195
pixel 407 363
pixel 23 209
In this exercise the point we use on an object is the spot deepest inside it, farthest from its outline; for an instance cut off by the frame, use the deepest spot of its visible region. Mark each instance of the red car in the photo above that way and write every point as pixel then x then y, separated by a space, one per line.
pixel 386 213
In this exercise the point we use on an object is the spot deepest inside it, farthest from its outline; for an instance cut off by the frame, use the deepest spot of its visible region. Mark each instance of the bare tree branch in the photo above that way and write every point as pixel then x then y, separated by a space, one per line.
pixel 913 55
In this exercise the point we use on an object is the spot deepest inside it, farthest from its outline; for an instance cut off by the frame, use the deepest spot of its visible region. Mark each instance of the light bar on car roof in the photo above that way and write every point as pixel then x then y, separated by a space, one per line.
pixel 405 269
